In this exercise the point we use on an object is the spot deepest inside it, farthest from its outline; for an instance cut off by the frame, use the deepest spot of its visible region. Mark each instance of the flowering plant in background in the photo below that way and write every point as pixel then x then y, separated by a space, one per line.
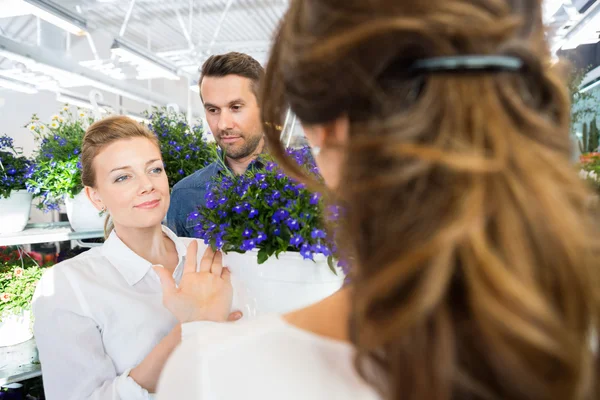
pixel 19 274
pixel 183 147
pixel 265 210
pixel 590 168
pixel 15 169
pixel 58 170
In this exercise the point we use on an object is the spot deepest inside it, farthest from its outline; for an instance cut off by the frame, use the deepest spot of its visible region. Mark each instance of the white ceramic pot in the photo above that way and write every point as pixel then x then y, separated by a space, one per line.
pixel 279 285
pixel 15 329
pixel 14 211
pixel 82 215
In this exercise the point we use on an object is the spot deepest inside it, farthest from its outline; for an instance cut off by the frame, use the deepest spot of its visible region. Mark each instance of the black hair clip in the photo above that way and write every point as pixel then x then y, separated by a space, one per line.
pixel 468 63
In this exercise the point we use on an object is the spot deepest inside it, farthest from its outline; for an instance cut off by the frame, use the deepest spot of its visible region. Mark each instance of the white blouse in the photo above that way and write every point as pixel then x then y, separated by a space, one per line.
pixel 265 359
pixel 97 316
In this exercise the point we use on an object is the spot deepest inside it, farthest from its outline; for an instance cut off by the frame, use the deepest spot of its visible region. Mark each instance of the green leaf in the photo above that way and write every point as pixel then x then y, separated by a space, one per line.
pixel 331 266
pixel 263 256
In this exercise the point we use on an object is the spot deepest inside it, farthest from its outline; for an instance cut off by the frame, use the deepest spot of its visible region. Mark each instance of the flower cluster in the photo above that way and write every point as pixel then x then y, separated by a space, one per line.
pixel 15 169
pixel 183 147
pixel 590 169
pixel 265 210
pixel 19 274
pixel 58 170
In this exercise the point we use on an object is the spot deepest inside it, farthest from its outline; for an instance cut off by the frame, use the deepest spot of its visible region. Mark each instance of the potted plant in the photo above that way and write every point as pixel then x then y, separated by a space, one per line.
pixel 57 177
pixel 184 148
pixel 19 274
pixel 589 165
pixel 15 201
pixel 271 231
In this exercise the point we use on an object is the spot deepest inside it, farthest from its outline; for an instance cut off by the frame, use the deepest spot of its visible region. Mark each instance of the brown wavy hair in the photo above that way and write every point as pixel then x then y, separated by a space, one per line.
pixel 101 134
pixel 476 273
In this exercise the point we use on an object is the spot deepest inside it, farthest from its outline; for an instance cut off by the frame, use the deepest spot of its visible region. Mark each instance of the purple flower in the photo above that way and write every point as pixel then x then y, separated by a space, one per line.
pixel 222 200
pixel 193 216
pixel 321 249
pixel 317 234
pixel 253 213
pixel 305 252
pixel 292 224
pixel 248 245
pixel 238 209
pixel 181 172
pixel 248 232
pixel 296 240
pixel 277 231
pixel 314 199
pixel 264 185
pixel 276 195
pixel 270 166
pixel 261 237
pixel 211 204
pixel 280 215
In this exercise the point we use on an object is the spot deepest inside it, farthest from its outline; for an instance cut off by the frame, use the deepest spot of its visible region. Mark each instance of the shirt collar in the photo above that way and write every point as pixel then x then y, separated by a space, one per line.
pixel 130 265
pixel 222 163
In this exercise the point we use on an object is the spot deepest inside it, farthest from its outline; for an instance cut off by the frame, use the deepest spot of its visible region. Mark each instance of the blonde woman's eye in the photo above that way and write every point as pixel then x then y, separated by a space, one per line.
pixel 157 170
pixel 121 178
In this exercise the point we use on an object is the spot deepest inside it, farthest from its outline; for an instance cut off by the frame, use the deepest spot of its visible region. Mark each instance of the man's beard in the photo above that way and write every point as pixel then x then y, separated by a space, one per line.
pixel 248 146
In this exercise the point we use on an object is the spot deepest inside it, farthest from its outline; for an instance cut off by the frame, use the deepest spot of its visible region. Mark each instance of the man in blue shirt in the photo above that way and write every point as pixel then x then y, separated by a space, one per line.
pixel 229 86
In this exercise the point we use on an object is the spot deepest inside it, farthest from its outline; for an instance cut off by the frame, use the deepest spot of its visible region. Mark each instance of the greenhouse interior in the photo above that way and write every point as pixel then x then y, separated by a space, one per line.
pixel 191 193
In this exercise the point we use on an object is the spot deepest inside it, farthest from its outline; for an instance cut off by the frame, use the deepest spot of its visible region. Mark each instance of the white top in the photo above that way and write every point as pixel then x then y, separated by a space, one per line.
pixel 265 359
pixel 97 316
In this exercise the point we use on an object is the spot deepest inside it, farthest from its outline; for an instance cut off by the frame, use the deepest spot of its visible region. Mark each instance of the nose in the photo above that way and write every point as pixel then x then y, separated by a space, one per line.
pixel 225 121
pixel 145 185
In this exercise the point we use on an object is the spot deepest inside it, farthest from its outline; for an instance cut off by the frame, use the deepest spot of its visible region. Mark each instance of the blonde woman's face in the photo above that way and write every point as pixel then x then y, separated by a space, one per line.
pixel 131 183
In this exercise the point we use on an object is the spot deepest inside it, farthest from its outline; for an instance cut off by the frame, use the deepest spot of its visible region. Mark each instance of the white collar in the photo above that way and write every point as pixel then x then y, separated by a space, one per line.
pixel 132 266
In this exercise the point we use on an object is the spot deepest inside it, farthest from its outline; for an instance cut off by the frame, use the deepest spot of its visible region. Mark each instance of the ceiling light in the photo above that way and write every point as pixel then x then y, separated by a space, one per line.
pixel 46 10
pixel 17 86
pixel 147 64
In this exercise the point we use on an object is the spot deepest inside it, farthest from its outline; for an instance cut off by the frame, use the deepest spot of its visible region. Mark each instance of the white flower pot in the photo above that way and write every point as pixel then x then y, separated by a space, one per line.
pixel 15 329
pixel 14 211
pixel 82 215
pixel 279 285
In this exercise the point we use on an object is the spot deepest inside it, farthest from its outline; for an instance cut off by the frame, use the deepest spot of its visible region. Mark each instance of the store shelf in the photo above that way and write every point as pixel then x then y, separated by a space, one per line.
pixel 19 363
pixel 43 233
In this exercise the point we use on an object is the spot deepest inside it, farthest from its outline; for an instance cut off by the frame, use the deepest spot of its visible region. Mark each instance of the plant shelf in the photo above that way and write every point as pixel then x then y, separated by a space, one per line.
pixel 43 233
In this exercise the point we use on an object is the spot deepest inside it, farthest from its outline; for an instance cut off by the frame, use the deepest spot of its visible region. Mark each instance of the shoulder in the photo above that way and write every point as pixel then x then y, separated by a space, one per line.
pixel 198 179
pixel 60 283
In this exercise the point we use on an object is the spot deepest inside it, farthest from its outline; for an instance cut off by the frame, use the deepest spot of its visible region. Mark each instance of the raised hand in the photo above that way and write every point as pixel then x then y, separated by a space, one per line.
pixel 203 295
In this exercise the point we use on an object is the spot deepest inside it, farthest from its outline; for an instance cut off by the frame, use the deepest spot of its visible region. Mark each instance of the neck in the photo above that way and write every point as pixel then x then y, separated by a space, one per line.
pixel 328 318
pixel 148 243
pixel 240 165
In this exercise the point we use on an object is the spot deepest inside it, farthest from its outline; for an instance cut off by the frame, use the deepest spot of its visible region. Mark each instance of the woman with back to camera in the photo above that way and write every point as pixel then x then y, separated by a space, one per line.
pixel 100 326
pixel 442 128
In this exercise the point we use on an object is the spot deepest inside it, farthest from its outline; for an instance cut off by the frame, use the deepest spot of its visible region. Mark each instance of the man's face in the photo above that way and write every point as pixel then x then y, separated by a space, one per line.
pixel 232 113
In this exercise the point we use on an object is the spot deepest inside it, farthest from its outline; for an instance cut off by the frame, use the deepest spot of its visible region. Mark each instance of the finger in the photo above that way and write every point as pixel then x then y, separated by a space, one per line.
pixel 226 275
pixel 234 316
pixel 190 258
pixel 217 265
pixel 166 280
pixel 207 260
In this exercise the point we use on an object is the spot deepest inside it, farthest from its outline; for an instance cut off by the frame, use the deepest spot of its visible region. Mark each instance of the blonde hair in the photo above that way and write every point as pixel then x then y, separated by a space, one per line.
pixel 101 134
pixel 476 272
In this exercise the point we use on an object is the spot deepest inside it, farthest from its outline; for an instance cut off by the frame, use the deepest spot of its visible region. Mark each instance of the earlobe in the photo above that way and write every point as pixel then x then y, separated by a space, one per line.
pixel 93 196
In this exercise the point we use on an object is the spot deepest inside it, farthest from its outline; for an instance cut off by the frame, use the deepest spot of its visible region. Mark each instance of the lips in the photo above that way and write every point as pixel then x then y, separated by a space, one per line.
pixel 148 205
pixel 230 139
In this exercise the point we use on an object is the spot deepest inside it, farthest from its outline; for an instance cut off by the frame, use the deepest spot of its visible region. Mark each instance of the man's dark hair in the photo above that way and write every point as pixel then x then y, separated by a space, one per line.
pixel 234 63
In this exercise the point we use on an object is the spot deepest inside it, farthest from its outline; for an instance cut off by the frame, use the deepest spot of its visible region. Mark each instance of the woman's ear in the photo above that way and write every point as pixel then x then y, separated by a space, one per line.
pixel 94 197
pixel 330 134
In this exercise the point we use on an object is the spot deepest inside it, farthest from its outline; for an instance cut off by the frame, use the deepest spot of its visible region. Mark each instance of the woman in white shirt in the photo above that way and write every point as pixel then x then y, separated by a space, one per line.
pixel 443 129
pixel 100 326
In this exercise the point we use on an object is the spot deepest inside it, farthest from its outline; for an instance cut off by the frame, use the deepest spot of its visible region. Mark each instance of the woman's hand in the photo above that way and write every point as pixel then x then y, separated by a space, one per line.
pixel 203 295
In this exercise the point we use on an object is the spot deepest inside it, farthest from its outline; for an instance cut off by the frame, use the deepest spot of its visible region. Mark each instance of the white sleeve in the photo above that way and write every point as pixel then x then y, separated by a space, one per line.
pixel 74 363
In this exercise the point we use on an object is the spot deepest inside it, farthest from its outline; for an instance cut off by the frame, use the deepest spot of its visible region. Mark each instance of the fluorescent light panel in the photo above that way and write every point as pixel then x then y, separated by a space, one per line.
pixel 17 86
pixel 47 11
pixel 147 64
